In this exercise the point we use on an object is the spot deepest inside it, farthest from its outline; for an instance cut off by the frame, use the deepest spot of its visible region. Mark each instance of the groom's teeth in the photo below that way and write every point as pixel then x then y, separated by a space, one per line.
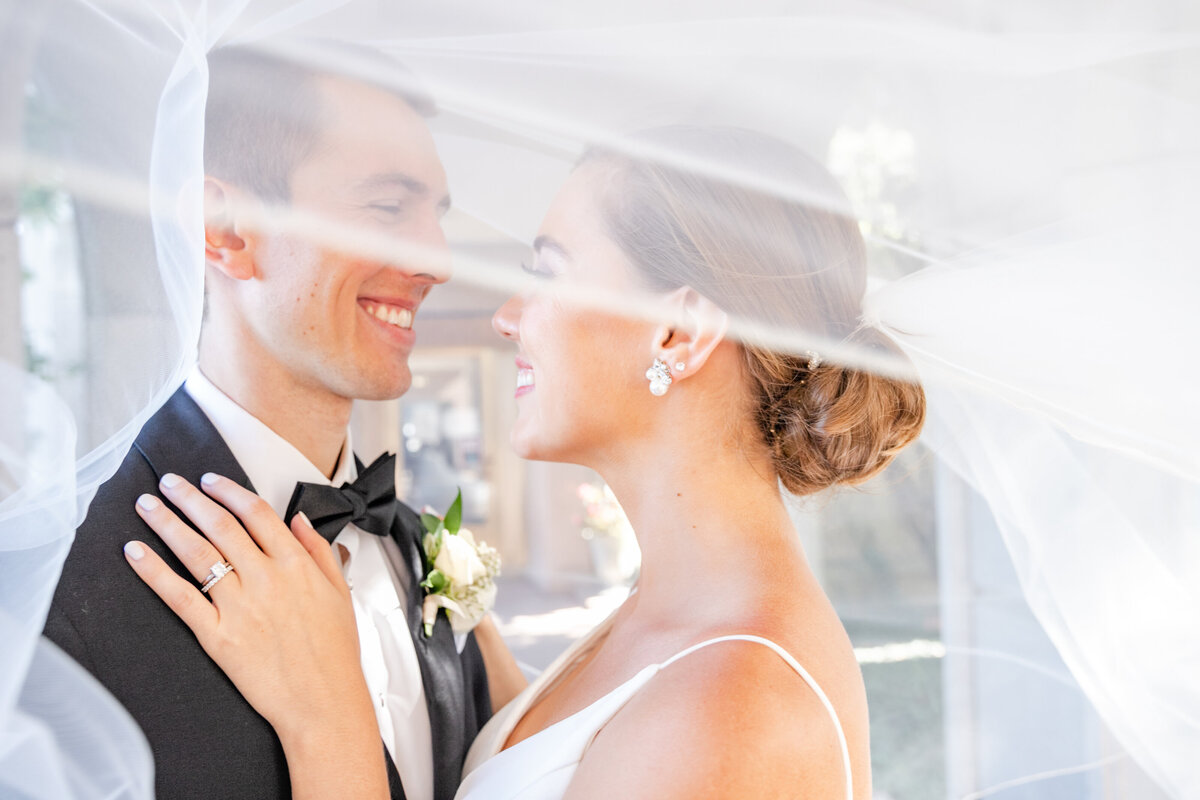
pixel 400 317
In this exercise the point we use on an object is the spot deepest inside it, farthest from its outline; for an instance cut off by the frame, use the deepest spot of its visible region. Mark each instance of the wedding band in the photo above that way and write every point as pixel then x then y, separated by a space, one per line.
pixel 216 572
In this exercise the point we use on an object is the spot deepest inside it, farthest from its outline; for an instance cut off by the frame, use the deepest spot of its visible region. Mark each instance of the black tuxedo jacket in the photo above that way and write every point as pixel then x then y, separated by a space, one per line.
pixel 208 742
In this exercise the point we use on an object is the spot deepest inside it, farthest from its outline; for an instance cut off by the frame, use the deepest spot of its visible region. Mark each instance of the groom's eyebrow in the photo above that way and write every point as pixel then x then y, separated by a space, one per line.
pixel 393 180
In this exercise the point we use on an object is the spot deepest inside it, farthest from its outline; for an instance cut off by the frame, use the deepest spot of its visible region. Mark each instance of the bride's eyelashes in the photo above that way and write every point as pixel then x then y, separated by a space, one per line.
pixel 538 269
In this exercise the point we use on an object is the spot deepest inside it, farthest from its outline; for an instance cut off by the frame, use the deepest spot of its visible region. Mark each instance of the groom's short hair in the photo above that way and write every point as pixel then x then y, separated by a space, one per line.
pixel 264 111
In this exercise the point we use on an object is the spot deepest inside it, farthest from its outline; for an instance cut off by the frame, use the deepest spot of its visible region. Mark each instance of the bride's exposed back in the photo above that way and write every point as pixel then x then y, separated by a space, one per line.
pixel 727 671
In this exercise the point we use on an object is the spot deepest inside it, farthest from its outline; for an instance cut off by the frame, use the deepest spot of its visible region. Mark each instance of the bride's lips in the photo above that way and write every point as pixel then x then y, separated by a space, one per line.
pixel 391 316
pixel 524 377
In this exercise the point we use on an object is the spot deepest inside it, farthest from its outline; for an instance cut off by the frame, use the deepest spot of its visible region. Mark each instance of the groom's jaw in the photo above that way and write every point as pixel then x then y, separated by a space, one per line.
pixel 388 313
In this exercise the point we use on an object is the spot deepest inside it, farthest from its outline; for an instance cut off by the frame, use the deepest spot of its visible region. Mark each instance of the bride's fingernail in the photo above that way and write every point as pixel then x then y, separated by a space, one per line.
pixel 170 480
pixel 134 550
pixel 148 502
pixel 209 478
pixel 304 517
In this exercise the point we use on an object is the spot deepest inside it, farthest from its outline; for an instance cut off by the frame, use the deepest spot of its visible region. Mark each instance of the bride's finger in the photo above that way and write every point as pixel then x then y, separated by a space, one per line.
pixel 180 596
pixel 216 523
pixel 260 520
pixel 197 553
pixel 320 550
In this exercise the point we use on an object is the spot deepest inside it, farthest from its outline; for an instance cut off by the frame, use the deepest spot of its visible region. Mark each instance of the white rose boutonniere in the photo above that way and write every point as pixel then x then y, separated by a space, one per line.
pixel 461 571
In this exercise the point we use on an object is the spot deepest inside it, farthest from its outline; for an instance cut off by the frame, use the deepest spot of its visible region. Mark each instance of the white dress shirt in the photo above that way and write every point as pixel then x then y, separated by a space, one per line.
pixel 377 586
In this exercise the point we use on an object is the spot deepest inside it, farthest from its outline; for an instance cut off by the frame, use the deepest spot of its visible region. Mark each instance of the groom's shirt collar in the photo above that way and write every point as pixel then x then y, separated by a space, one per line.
pixel 272 463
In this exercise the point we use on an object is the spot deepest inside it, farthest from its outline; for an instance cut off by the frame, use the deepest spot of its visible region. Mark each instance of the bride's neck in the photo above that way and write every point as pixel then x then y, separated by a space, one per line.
pixel 709 519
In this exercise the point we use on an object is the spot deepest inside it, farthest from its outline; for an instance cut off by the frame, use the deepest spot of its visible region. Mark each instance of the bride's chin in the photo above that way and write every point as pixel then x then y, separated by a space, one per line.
pixel 521 445
pixel 526 446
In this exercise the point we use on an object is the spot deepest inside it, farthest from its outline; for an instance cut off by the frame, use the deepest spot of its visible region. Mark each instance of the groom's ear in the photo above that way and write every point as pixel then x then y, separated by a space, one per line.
pixel 699 325
pixel 226 247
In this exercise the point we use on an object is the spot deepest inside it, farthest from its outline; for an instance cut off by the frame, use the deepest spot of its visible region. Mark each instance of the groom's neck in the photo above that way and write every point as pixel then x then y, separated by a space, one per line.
pixel 311 418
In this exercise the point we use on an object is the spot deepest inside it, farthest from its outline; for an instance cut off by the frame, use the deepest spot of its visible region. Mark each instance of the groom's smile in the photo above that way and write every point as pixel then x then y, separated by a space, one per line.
pixel 390 313
pixel 392 319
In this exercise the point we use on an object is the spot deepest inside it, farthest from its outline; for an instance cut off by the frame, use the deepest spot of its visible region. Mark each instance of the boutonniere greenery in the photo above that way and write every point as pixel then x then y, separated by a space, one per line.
pixel 461 572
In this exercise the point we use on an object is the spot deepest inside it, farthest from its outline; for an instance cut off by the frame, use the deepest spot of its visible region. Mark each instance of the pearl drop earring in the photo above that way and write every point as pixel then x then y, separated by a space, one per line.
pixel 659 377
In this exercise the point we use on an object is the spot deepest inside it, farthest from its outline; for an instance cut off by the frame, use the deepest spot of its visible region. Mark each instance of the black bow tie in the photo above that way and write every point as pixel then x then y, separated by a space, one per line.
pixel 369 502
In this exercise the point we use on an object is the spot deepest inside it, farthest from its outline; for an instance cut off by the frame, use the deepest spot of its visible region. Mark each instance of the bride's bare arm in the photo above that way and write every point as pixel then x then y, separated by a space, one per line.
pixel 505 679
pixel 280 625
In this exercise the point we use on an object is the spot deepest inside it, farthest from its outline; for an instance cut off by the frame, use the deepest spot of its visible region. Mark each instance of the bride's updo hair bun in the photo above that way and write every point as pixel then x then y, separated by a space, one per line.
pixel 832 424
pixel 765 232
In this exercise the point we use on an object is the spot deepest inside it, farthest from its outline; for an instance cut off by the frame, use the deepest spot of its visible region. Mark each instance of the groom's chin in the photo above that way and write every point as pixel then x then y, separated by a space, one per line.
pixel 384 386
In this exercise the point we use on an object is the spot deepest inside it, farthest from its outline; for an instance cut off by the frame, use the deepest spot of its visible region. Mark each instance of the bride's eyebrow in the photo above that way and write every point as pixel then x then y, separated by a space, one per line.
pixel 546 243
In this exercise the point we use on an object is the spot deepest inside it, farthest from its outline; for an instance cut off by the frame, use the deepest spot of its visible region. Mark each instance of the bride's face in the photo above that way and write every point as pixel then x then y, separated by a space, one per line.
pixel 581 391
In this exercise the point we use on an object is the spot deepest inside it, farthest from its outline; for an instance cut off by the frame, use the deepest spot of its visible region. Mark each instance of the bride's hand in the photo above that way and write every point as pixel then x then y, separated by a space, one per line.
pixel 281 625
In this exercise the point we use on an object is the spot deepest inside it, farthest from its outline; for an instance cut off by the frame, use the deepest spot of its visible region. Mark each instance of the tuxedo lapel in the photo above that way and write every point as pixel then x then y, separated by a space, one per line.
pixel 441 667
pixel 181 439
pixel 109 620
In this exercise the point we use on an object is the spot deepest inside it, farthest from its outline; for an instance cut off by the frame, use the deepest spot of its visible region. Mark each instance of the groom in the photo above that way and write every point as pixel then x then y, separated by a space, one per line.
pixel 295 329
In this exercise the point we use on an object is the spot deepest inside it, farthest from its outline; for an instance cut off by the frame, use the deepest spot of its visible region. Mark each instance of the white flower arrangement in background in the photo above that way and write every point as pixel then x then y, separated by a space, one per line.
pixel 612 546
pixel 602 513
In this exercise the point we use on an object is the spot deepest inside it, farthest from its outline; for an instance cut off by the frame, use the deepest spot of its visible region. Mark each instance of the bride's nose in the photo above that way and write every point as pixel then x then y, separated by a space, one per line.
pixel 506 321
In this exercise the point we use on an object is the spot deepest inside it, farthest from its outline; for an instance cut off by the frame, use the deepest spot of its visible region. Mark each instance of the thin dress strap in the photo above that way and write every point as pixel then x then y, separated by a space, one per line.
pixel 802 672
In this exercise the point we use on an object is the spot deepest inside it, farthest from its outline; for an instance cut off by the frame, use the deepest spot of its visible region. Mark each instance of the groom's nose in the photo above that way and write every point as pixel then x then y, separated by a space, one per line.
pixel 423 253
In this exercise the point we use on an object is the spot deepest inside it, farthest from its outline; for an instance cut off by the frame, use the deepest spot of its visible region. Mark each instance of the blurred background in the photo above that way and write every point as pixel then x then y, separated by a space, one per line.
pixel 912 560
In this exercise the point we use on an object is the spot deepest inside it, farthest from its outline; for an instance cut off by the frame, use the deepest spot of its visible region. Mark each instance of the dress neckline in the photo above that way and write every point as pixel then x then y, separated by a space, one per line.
pixel 554 674
pixel 561 667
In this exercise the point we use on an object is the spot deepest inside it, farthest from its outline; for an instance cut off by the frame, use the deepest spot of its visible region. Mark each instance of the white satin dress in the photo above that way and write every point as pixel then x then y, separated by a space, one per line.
pixel 541 766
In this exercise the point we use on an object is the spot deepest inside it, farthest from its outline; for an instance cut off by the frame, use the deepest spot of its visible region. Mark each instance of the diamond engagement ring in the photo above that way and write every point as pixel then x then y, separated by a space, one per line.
pixel 216 572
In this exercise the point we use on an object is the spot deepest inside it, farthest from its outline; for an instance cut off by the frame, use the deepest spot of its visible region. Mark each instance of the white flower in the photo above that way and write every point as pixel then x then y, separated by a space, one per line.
pixel 462 572
pixel 464 613
pixel 459 561
pixel 429 612
pixel 463 580
pixel 473 608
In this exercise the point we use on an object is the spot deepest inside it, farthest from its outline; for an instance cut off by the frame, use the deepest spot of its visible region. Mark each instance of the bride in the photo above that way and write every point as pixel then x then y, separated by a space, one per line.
pixel 727 666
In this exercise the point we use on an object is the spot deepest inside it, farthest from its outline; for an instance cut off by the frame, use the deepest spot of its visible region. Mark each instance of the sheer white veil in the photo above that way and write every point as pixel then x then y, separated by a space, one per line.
pixel 1025 177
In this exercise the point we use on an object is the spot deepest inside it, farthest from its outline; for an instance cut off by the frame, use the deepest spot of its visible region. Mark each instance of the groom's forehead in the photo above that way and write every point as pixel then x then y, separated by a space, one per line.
pixel 364 112
pixel 266 114
pixel 371 141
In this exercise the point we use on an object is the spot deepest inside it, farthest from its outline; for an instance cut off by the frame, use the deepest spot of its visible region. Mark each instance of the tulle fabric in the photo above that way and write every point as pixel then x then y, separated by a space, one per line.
pixel 101 335
pixel 1024 175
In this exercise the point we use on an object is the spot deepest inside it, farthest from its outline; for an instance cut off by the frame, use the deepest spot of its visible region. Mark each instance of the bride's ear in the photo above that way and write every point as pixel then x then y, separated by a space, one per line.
pixel 699 326
pixel 226 248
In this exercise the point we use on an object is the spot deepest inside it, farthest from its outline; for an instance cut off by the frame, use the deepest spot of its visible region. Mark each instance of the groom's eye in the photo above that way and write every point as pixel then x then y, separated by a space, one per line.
pixel 389 208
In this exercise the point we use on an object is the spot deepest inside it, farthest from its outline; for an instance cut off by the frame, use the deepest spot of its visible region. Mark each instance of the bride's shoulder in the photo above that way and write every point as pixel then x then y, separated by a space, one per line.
pixel 733 712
